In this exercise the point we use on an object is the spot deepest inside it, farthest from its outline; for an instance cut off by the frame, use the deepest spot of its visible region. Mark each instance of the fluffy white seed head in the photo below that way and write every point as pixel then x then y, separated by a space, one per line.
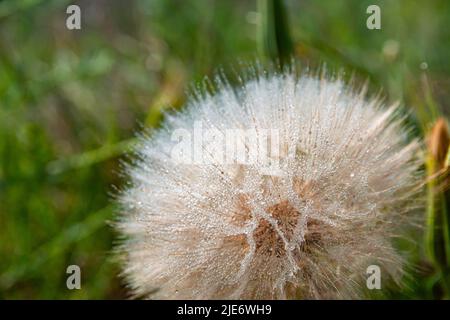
pixel 305 222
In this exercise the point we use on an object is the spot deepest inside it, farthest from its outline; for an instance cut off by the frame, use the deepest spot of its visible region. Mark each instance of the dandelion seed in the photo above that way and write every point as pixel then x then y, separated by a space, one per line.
pixel 305 228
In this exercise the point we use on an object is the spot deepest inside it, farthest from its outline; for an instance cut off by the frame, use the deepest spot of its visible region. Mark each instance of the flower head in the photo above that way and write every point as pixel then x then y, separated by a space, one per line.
pixel 314 194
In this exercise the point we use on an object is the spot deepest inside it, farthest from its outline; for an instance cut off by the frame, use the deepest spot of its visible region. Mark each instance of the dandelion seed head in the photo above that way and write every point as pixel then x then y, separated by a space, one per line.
pixel 307 227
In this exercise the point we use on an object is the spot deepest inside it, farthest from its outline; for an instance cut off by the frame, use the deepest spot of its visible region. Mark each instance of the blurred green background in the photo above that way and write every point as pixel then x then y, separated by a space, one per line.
pixel 72 100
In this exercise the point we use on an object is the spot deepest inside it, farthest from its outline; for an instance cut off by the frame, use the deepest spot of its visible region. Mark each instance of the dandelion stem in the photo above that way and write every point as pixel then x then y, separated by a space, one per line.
pixel 275 40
